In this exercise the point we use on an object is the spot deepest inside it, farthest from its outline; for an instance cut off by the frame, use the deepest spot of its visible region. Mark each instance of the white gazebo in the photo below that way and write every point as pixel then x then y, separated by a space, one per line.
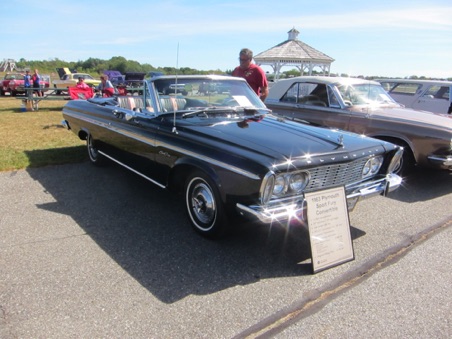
pixel 7 64
pixel 294 52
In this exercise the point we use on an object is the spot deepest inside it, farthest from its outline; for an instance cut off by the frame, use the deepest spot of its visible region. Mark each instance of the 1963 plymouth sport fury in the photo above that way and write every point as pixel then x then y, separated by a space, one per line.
pixel 226 152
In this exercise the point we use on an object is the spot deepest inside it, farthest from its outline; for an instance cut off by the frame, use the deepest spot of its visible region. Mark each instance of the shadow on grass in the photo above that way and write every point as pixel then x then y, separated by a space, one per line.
pixel 56 156
pixel 51 109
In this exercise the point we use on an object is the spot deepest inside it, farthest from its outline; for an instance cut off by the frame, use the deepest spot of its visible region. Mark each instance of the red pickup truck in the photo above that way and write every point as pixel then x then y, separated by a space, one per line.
pixel 13 83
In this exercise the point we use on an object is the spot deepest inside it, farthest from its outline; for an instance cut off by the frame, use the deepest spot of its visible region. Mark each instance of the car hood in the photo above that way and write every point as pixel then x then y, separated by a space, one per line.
pixel 409 116
pixel 282 139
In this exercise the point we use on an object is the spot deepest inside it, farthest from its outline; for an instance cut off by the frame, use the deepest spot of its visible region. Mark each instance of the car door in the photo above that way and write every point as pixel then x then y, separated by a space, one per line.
pixel 405 93
pixel 435 98
pixel 312 102
pixel 128 137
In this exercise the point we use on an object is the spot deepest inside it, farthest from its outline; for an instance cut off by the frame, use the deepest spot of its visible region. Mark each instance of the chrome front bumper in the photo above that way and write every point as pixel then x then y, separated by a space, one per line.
pixel 295 207
pixel 441 161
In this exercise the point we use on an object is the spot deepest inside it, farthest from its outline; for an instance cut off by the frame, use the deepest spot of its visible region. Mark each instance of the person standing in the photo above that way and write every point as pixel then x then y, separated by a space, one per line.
pixel 252 73
pixel 27 79
pixel 28 93
pixel 36 79
pixel 27 83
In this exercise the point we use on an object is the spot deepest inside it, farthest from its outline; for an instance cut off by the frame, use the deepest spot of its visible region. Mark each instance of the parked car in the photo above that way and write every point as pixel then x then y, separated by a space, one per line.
pixel 13 83
pixel 69 79
pixel 154 74
pixel 115 77
pixel 364 107
pixel 134 79
pixel 427 95
pixel 227 153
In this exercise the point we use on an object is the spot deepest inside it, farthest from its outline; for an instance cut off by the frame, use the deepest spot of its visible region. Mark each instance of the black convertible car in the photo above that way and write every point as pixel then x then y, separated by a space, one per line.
pixel 211 138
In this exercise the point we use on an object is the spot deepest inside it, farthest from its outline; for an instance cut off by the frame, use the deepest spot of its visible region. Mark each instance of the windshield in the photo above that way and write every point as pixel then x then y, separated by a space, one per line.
pixel 364 94
pixel 193 94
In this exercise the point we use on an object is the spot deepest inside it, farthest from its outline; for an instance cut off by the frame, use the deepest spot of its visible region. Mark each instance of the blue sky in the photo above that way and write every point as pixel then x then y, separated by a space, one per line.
pixel 385 38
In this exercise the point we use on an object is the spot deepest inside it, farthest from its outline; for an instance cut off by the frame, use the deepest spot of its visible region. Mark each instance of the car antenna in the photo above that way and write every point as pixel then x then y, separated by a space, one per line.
pixel 175 92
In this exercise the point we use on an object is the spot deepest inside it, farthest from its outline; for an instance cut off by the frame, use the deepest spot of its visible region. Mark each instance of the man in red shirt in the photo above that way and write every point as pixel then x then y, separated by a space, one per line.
pixel 253 74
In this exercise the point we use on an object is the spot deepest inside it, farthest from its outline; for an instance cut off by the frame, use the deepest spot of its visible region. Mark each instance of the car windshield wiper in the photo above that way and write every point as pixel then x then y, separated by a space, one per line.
pixel 210 109
pixel 227 109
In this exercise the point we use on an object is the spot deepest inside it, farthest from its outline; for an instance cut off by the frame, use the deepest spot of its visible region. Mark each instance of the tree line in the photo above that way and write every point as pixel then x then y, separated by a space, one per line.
pixel 96 67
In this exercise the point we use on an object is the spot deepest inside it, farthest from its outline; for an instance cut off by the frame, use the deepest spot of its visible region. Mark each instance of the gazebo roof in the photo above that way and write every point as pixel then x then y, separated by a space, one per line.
pixel 293 51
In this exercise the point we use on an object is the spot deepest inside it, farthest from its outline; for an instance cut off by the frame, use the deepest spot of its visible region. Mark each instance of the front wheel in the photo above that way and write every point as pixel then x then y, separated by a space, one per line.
pixel 93 153
pixel 204 206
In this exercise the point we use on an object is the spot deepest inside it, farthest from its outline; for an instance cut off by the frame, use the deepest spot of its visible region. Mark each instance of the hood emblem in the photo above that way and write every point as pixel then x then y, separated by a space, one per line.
pixel 340 139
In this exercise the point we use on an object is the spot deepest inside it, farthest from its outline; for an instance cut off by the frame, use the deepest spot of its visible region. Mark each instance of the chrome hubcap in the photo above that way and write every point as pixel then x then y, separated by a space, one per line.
pixel 203 203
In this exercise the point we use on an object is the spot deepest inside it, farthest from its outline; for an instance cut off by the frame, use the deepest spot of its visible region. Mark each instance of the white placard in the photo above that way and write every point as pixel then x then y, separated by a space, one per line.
pixel 329 228
pixel 242 100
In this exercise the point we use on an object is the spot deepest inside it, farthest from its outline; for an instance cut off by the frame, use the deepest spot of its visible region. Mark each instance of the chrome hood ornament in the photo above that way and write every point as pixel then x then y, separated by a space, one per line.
pixel 340 140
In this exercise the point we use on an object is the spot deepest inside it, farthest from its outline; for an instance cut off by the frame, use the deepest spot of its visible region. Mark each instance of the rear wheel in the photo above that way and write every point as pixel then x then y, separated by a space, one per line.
pixel 204 206
pixel 93 153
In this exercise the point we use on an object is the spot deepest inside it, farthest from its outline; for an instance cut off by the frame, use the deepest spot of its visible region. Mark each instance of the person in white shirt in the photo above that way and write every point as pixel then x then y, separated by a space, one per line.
pixel 106 87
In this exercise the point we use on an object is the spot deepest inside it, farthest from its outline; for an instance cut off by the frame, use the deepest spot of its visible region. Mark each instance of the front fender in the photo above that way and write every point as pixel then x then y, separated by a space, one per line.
pixel 183 166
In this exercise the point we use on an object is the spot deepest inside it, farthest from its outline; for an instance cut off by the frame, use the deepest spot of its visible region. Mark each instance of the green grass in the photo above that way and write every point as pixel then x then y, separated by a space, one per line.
pixel 36 139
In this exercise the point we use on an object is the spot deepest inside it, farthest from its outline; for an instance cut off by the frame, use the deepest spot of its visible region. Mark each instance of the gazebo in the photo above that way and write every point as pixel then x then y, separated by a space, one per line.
pixel 7 63
pixel 294 52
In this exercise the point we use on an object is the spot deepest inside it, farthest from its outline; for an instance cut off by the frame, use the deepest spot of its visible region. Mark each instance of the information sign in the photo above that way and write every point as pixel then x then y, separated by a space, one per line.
pixel 329 228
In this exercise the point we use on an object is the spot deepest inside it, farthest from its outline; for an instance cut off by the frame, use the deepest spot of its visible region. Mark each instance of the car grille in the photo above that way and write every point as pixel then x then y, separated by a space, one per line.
pixel 335 175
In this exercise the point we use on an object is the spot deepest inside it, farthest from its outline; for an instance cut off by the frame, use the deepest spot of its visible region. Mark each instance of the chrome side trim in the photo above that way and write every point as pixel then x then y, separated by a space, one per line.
pixel 441 161
pixel 133 170
pixel 65 124
pixel 154 144
pixel 212 161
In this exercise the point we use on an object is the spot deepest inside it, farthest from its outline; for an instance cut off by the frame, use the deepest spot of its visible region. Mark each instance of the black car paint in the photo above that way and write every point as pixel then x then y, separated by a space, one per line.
pixel 156 149
pixel 236 153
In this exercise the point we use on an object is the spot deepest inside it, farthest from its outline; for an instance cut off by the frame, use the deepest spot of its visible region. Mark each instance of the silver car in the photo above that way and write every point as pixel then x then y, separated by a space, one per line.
pixel 427 95
pixel 364 107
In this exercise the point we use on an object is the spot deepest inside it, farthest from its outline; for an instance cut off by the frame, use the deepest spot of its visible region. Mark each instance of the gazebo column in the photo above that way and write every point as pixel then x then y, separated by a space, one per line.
pixel 276 69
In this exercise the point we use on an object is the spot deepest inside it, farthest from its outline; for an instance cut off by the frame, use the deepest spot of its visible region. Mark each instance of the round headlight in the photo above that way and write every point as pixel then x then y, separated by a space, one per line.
pixel 298 181
pixel 279 185
pixel 366 168
pixel 372 166
pixel 376 164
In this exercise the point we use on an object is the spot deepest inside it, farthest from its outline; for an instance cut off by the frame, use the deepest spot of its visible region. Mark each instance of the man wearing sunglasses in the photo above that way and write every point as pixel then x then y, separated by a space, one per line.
pixel 254 75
